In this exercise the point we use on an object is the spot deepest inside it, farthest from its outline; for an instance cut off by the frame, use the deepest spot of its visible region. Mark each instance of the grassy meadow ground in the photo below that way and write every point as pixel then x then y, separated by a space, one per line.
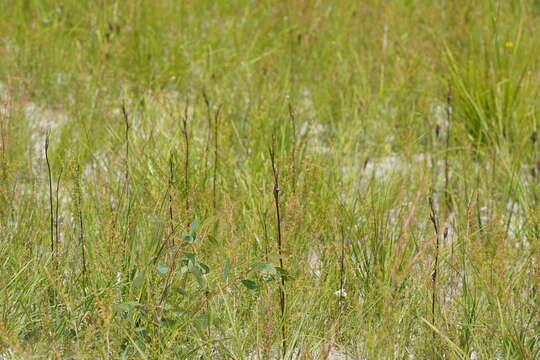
pixel 141 143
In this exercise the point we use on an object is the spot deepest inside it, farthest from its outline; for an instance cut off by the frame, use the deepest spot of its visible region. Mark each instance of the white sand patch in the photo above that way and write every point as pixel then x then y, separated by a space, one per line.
pixel 40 120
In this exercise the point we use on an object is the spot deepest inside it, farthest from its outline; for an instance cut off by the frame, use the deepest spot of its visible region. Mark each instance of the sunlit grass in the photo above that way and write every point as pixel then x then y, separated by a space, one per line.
pixel 161 116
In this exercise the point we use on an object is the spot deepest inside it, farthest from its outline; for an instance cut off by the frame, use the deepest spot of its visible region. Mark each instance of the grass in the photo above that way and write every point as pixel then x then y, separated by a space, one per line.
pixel 142 215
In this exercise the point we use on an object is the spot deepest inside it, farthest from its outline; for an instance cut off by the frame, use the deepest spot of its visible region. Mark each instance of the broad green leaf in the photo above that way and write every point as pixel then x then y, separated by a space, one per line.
pixel 138 280
pixel 194 226
pixel 194 269
pixel 127 306
pixel 162 268
pixel 226 269
pixel 204 268
pixel 261 265
pixel 265 268
pixel 250 284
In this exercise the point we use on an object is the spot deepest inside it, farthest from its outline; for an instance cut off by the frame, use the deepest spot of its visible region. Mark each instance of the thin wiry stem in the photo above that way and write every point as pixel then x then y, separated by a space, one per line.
pixel 478 206
pixel 435 222
pixel 276 192
pixel 52 293
pixel 186 155
pixel 209 131
pixel 342 266
pixel 51 208
pixel 127 128
pixel 127 174
pixel 172 265
pixel 536 166
pixel 81 224
pixel 216 157
pixel 171 185
pixel 446 165
pixel 56 216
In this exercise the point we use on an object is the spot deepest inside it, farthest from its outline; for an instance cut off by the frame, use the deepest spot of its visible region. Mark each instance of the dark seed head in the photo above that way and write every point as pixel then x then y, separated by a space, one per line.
pixel 534 137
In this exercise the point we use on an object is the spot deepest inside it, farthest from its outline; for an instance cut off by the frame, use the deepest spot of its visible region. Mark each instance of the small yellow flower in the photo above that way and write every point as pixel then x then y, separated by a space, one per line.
pixel 508 44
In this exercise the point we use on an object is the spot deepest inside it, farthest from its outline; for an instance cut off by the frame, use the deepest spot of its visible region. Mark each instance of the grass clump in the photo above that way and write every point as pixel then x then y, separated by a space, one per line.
pixel 491 76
